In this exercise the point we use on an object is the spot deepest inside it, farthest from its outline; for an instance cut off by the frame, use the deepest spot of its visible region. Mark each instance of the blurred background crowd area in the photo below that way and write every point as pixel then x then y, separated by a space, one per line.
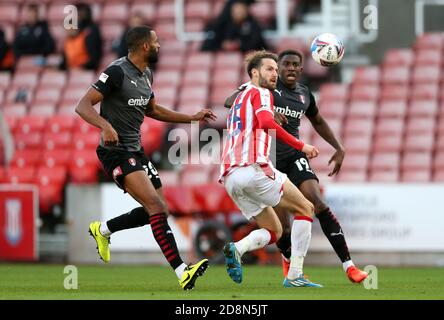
pixel 388 107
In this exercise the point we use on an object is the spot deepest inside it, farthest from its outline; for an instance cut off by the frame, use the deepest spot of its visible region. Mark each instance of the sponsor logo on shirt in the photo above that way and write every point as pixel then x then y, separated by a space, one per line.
pixel 139 102
pixel 290 113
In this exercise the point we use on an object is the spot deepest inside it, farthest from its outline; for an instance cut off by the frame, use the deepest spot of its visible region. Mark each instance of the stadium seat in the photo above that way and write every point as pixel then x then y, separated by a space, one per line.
pixel 429 40
pixel 322 145
pixel 197 95
pixel 358 127
pixel 416 176
pixel 198 10
pixel 31 64
pixel 439 145
pixel 194 177
pixel 61 140
pixel 26 158
pixel 88 140
pixel 314 70
pixel 49 196
pixel 426 74
pixel 385 176
pixel 425 91
pixel 60 123
pixel 114 12
pixel 422 108
pixel 219 94
pixel 357 144
pixel 84 166
pixel 169 177
pixel 5 79
pixel 165 11
pixel 438 176
pixel 395 74
pixel 362 109
pixel 420 125
pixel 196 77
pixel 180 200
pixel 398 57
pixel 200 60
pixel 29 124
pixel 392 109
pixel 332 109
pixel 438 161
pixel 416 161
pixel 364 92
pixel 169 62
pixel 165 29
pixel 263 11
pixel 352 176
pixel 394 92
pixel 81 126
pixel 44 109
pixel 355 162
pixel 166 96
pixel 387 143
pixel 166 78
pixel 54 175
pixel 231 60
pixel 18 175
pixel 384 161
pixel 428 57
pixel 56 158
pixel 53 79
pixel 15 110
pixel 389 127
pixel 226 78
pixel 147 9
pixel 419 143
pixel 366 75
pixel 28 141
pixel 213 198
pixel 46 95
pixel 73 95
pixel 25 80
pixel 9 12
pixel 16 94
pixel 80 79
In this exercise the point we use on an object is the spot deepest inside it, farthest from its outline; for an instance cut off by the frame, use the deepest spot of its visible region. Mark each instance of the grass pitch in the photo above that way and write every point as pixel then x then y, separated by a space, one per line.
pixel 39 281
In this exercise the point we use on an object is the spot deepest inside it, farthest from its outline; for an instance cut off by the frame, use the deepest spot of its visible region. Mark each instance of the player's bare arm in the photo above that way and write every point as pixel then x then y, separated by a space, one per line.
pixel 161 113
pixel 85 110
pixel 323 129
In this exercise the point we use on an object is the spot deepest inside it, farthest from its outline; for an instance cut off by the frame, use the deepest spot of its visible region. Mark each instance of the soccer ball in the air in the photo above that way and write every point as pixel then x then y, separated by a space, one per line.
pixel 327 50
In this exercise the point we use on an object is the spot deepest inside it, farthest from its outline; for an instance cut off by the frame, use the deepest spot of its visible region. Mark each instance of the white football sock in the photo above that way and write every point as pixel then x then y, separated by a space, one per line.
pixel 255 240
pixel 300 241
pixel 104 229
pixel 347 264
pixel 179 270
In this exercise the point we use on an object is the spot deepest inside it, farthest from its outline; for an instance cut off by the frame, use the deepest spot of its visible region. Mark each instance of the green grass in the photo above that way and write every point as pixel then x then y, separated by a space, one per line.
pixel 38 281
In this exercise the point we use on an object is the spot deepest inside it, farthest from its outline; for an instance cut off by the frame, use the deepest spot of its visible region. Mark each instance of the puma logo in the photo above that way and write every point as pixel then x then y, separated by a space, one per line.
pixel 134 82
pixel 278 91
pixel 340 233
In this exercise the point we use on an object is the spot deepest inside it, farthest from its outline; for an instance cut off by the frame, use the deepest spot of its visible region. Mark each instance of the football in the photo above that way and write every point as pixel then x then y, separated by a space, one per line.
pixel 327 50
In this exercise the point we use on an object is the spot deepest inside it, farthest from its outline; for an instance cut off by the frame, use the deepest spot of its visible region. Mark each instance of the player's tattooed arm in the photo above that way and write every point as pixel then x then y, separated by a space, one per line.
pixel 323 129
pixel 161 113
pixel 85 110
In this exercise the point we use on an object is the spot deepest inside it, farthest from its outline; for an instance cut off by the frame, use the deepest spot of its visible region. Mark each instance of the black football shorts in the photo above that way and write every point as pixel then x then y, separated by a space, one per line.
pixel 118 164
pixel 296 167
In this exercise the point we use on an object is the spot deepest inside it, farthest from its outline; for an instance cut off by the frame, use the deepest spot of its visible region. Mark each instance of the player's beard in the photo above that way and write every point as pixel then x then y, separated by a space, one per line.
pixel 263 82
pixel 152 57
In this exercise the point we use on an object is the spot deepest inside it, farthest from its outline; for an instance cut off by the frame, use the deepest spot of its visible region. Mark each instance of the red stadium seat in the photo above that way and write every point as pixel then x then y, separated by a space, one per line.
pixel 423 108
pixel 396 74
pixel 147 9
pixel 352 176
pixel 428 57
pixel 45 109
pixel 166 96
pixel 322 145
pixel 438 176
pixel 426 74
pixel 425 91
pixel 213 198
pixel 73 95
pixel 394 92
pixel 292 43
pixel 200 10
pixel 429 40
pixel 419 143
pixel 25 80
pixel 30 64
pixel 362 109
pixel 53 79
pixel 263 11
pixel 416 176
pixel 16 94
pixel 366 75
pixel 315 70
pixel 30 124
pixel 9 12
pixel 390 127
pixel 358 127
pixel 387 143
pixel 61 140
pixel 398 57
pixel 332 109
pixel 81 126
pixel 60 123
pixel 88 140
pixel 28 141
pixel 169 177
pixel 196 77
pixel 165 30
pixel 438 161
pixel 392 109
pixel 200 60
pixel 219 94
pixel 194 177
pixel 225 77
pixel 115 12
pixel 56 158
pixel 197 95
pixel 44 95
pixel 80 79
pixel 84 166
pixel 364 92
pixel 167 78
pixel 355 162
pixel 357 144
pixel 26 158
pixel 20 174
pixel 49 196
pixel 230 60
pixel 384 176
pixel 15 110
pixel 171 48
pixel 181 200
pixel 54 175
pixel 165 11
pixel 5 79
pixel 420 125
pixel 381 161
pixel 416 161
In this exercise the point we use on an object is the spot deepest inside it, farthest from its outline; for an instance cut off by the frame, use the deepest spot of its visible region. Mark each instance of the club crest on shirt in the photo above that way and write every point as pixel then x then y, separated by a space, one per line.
pixel 132 161
pixel 302 98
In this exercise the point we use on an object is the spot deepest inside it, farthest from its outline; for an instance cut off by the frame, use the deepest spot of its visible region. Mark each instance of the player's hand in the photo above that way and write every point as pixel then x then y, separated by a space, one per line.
pixel 310 151
pixel 337 159
pixel 110 136
pixel 280 118
pixel 205 115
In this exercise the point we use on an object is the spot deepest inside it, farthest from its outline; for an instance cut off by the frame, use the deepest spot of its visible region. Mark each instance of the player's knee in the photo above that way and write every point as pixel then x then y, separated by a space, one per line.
pixel 307 209
pixel 319 206
pixel 154 205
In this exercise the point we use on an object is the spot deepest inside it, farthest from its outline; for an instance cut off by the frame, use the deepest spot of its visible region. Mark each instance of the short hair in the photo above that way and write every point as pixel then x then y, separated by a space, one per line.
pixel 33 7
pixel 254 60
pixel 290 52
pixel 135 36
